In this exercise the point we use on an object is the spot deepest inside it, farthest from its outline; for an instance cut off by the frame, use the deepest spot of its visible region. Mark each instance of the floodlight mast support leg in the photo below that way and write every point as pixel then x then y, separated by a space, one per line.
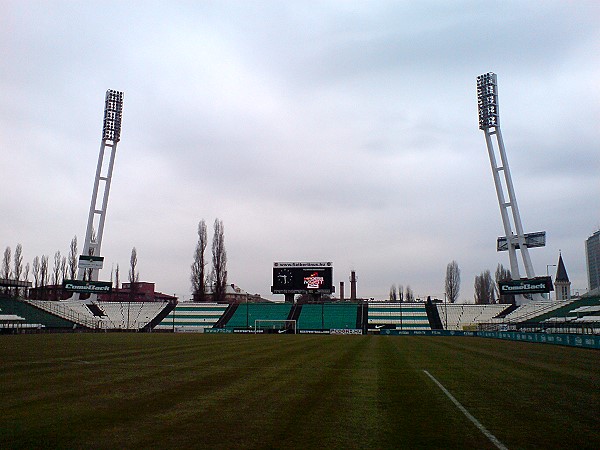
pixel 512 254
pixel 111 133
pixel 92 244
pixel 519 238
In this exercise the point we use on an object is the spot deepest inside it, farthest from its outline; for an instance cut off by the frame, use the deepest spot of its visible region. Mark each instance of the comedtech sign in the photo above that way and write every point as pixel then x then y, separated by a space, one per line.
pixel 536 285
pixel 91 287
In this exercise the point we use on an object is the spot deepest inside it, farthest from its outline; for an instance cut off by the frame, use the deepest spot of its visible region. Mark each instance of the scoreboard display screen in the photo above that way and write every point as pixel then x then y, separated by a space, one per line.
pixel 302 278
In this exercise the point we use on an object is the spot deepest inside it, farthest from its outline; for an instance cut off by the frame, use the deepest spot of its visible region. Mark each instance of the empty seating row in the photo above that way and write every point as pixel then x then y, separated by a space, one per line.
pixel 116 315
pixel 533 310
pixel 455 316
pixel 34 317
pixel 247 314
pixel 328 316
pixel 410 316
pixel 191 316
pixel 129 315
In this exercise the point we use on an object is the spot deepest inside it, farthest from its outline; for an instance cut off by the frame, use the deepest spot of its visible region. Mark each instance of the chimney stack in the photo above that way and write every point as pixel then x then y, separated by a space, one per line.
pixel 353 286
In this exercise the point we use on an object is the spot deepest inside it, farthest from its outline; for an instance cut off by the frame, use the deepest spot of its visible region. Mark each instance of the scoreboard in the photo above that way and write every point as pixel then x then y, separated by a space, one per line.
pixel 302 278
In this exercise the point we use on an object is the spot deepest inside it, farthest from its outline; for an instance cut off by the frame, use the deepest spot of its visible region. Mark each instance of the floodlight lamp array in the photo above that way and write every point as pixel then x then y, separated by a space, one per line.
pixel 113 112
pixel 487 101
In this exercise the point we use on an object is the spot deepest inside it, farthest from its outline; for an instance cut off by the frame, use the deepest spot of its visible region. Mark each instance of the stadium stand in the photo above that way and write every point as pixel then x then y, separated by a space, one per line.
pixel 13 322
pixel 311 317
pixel 328 316
pixel 247 313
pixel 400 316
pixel 116 315
pixel 33 317
pixel 455 316
pixel 578 315
pixel 435 322
pixel 74 311
pixel 295 312
pixel 563 309
pixel 131 315
pixel 190 316
pixel 531 310
pixel 229 312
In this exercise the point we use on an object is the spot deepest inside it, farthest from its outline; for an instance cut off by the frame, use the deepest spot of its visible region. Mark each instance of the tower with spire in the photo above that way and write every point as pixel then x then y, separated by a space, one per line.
pixel 562 285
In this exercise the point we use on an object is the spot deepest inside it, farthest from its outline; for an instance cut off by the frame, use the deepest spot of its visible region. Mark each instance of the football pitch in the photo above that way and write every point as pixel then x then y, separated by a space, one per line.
pixel 285 391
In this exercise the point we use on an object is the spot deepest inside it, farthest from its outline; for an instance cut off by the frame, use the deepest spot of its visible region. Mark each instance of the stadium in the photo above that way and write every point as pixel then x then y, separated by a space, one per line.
pixel 573 317
pixel 94 369
pixel 375 374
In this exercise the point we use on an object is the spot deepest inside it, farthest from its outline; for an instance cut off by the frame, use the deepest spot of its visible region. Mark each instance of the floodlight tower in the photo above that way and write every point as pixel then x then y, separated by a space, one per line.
pixel 111 134
pixel 489 122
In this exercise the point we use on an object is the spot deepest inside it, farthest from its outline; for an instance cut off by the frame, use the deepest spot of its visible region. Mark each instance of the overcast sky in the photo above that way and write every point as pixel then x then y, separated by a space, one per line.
pixel 315 130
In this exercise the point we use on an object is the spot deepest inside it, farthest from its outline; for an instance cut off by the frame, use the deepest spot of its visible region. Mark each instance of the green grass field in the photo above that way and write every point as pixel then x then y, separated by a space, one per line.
pixel 283 391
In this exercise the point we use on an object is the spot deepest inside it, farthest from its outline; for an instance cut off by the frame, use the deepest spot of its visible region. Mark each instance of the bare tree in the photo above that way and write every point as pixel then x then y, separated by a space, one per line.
pixel 44 270
pixel 484 288
pixel 72 269
pixel 117 277
pixel 36 271
pixel 503 274
pixel 410 296
pixel 26 277
pixel 400 293
pixel 393 293
pixel 26 273
pixel 198 276
pixel 56 270
pixel 6 271
pixel 18 262
pixel 134 275
pixel 18 266
pixel 219 261
pixel 452 281
pixel 64 270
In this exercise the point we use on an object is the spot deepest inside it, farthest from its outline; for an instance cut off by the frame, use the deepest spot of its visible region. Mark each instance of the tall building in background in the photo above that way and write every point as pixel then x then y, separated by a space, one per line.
pixel 592 255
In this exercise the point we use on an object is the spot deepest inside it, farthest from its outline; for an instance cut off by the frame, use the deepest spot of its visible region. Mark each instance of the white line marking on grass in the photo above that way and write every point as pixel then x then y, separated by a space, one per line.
pixel 478 424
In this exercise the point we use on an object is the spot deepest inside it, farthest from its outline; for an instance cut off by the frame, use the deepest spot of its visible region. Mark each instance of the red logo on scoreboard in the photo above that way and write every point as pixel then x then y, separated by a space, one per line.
pixel 314 281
